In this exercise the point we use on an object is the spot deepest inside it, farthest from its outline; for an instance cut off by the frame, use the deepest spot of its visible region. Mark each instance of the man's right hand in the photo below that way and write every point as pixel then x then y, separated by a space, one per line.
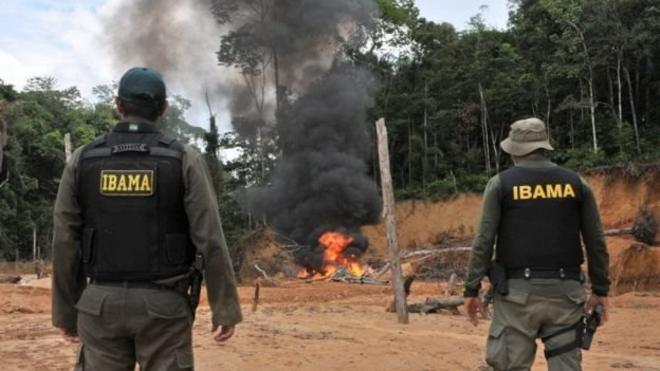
pixel 473 307
pixel 594 300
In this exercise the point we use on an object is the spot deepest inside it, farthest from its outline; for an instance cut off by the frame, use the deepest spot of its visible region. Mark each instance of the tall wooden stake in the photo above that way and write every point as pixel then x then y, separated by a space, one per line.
pixel 34 243
pixel 390 221
pixel 255 298
pixel 67 146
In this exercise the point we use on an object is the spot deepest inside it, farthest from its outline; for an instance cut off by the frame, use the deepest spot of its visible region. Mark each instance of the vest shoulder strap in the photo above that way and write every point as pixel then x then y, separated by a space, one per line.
pixel 166 140
pixel 97 142
pixel 170 148
pixel 96 149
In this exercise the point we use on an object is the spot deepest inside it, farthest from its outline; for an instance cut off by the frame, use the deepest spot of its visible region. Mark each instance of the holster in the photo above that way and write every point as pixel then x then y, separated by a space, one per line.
pixel 196 279
pixel 497 276
pixel 189 284
pixel 590 324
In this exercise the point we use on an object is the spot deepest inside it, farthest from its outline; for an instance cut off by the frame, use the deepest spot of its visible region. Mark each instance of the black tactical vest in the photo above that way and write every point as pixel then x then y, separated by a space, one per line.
pixel 540 218
pixel 130 190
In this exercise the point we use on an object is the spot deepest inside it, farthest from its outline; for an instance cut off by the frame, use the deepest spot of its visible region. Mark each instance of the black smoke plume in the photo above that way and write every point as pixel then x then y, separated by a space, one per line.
pixel 321 181
pixel 319 102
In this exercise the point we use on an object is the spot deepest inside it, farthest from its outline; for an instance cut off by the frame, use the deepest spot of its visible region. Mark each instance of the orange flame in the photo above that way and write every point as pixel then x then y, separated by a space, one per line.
pixel 335 243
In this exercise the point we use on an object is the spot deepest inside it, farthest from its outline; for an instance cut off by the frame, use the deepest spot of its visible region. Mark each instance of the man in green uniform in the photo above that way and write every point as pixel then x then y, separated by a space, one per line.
pixel 534 213
pixel 133 209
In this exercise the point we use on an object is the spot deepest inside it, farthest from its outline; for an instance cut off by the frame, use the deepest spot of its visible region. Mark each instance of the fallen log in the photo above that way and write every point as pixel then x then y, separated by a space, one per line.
pixel 383 270
pixel 420 255
pixel 435 305
pixel 450 289
pixel 431 252
pixel 618 231
pixel 431 305
pixel 7 278
pixel 357 280
pixel 391 308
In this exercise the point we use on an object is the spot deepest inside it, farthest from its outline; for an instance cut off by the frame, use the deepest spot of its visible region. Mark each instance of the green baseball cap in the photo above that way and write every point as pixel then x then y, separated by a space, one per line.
pixel 525 137
pixel 143 85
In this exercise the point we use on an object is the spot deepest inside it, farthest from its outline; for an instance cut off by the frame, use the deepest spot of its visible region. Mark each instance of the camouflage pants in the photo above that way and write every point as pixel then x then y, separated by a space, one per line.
pixel 120 326
pixel 534 309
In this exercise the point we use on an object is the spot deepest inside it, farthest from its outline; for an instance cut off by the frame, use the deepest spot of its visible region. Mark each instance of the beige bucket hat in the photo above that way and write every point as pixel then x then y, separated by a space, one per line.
pixel 525 137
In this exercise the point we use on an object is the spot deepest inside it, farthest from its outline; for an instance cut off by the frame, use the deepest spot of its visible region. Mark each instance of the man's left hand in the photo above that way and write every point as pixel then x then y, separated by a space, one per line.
pixel 473 308
pixel 223 333
pixel 68 335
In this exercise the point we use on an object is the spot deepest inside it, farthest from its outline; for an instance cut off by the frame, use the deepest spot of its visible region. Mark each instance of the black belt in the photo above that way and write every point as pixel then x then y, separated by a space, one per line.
pixel 560 273
pixel 128 284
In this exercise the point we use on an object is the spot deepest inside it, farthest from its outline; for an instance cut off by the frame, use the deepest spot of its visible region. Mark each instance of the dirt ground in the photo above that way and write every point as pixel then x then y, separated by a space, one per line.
pixel 333 326
pixel 336 326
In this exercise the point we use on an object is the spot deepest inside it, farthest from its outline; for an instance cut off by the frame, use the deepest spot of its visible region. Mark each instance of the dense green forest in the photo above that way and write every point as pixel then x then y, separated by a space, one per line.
pixel 590 69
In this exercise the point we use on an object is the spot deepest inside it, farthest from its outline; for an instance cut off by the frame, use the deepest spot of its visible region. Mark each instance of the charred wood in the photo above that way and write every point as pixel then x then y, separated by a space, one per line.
pixel 435 305
pixel 407 283
pixel 617 231
pixel 6 278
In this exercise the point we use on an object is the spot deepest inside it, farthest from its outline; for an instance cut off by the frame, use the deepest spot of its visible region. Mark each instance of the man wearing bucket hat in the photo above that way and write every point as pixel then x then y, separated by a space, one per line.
pixel 135 215
pixel 533 217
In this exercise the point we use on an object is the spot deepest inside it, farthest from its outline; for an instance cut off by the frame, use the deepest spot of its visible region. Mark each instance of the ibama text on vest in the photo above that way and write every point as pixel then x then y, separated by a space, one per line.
pixel 543 191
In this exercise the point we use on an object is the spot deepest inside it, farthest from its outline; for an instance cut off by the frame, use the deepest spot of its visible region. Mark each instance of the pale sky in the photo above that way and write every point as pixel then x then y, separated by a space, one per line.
pixel 60 38
pixel 458 13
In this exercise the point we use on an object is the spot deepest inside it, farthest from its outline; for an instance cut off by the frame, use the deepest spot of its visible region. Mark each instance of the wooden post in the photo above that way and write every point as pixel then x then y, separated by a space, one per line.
pixel 34 243
pixel 68 148
pixel 255 298
pixel 390 221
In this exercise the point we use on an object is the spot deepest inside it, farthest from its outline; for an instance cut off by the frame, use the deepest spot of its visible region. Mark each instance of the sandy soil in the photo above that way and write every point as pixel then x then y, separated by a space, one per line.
pixel 421 223
pixel 319 326
pixel 332 326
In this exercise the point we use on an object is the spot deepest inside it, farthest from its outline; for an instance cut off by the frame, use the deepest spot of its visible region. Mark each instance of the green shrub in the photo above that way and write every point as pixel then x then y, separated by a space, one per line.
pixel 473 183
pixel 441 188
pixel 580 158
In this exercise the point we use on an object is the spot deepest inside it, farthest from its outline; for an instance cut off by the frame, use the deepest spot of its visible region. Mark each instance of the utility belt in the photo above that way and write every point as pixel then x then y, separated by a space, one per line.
pixel 574 273
pixel 189 284
pixel 135 284
pixel 499 275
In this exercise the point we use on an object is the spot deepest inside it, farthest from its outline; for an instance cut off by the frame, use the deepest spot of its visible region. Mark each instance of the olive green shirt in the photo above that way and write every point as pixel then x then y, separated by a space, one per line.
pixel 485 241
pixel 205 231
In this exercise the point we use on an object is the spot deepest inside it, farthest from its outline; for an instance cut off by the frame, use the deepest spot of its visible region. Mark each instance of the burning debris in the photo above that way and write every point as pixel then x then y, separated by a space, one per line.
pixel 340 262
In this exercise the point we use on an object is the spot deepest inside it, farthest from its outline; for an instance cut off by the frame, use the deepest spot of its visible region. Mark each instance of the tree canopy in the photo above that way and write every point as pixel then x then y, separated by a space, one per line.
pixel 588 68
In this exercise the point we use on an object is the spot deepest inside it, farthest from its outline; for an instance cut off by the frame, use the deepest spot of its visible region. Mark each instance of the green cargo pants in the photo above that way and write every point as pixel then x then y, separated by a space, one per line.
pixel 120 326
pixel 535 308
